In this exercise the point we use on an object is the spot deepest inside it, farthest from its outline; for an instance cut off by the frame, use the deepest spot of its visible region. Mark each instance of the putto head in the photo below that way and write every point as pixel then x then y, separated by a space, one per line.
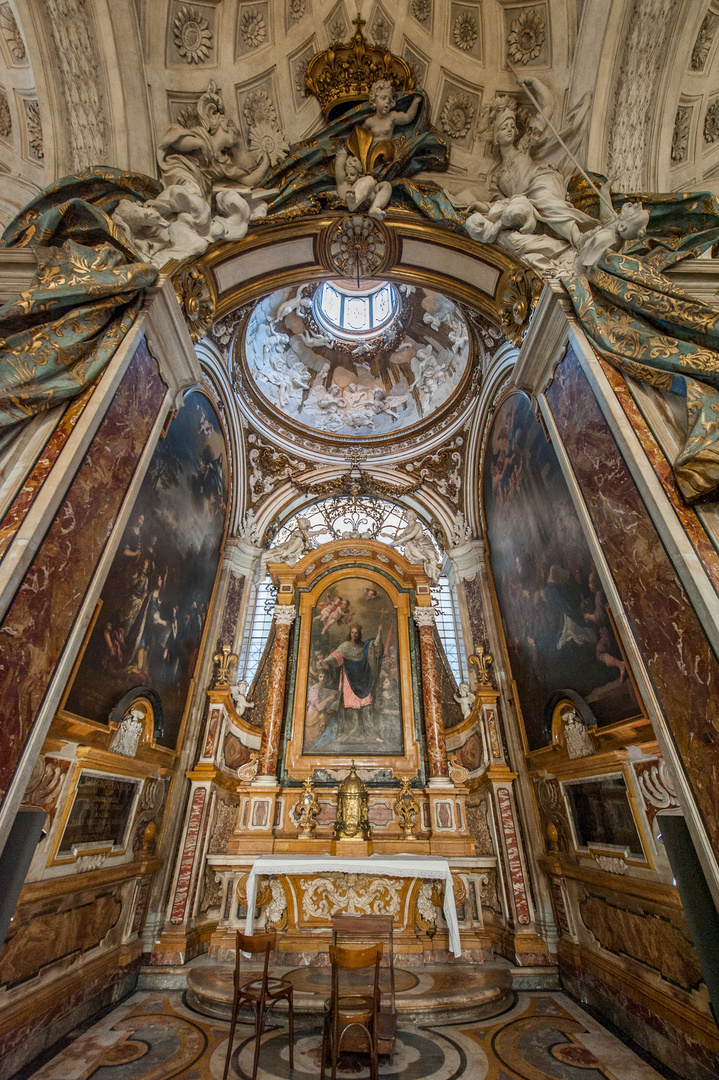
pixel 381 87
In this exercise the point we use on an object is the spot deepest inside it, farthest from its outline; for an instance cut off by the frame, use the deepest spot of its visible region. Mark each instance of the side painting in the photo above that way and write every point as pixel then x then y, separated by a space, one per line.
pixel 157 592
pixel 353 689
pixel 556 623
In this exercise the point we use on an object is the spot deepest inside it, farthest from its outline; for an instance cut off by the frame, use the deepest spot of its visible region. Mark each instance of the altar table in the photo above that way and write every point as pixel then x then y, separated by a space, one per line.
pixel 404 866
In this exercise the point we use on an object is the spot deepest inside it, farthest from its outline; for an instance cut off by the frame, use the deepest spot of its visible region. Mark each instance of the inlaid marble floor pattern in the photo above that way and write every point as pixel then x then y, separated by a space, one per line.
pixel 154 1036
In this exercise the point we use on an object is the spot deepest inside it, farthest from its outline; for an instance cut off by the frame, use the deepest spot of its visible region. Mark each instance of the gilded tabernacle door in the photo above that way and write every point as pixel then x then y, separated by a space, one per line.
pixel 353 694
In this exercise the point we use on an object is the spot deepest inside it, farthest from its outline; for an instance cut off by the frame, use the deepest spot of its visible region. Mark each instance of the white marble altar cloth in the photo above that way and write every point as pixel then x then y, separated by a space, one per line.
pixel 405 866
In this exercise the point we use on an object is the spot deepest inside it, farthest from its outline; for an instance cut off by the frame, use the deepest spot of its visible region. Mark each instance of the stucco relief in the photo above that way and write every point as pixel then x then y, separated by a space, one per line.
pixel 350 894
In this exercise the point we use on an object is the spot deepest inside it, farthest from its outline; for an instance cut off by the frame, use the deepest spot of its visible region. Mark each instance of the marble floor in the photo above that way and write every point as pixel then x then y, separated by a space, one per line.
pixel 154 1036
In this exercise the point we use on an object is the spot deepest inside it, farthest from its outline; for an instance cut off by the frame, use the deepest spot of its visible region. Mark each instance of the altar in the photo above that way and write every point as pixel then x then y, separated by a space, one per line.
pixel 412 867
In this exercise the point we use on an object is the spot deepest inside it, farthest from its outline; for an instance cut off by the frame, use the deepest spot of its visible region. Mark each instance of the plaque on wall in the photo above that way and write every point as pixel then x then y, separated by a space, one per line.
pixel 101 812
pixel 601 814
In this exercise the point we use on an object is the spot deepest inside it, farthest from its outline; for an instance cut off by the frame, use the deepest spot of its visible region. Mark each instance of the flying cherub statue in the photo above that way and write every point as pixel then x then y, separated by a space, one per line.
pixel 370 145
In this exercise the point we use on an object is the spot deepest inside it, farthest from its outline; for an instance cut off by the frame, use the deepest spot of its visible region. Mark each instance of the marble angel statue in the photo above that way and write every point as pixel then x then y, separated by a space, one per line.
pixel 530 214
pixel 465 699
pixel 418 548
pixel 292 549
pixel 207 186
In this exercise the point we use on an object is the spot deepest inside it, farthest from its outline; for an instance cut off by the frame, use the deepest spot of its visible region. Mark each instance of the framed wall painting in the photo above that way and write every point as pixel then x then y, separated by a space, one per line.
pixel 156 596
pixel 553 609
pixel 353 696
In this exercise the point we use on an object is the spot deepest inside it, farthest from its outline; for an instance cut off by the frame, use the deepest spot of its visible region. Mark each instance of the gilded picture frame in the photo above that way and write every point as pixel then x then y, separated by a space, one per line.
pixel 350 737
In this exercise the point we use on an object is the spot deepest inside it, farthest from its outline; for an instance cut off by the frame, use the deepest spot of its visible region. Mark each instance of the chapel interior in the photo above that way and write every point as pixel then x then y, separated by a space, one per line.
pixel 359 539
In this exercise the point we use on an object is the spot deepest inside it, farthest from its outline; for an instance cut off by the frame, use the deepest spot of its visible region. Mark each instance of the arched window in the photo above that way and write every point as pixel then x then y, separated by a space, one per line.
pixel 347 518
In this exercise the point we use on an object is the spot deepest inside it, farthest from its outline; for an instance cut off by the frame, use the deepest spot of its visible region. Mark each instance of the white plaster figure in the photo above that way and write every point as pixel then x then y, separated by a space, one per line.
pixel 418 548
pixel 357 189
pixel 465 699
pixel 207 187
pixel 239 696
pixel 127 737
pixel 292 549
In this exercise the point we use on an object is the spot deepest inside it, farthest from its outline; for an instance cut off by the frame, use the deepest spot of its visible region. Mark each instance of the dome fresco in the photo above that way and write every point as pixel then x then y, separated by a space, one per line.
pixel 392 373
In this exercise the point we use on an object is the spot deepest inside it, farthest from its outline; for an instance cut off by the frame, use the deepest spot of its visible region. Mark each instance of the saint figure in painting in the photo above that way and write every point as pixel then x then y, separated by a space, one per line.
pixel 353 702
pixel 358 664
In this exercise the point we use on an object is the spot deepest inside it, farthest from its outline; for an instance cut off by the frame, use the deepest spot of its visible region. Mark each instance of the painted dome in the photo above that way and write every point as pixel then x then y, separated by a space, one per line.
pixel 360 361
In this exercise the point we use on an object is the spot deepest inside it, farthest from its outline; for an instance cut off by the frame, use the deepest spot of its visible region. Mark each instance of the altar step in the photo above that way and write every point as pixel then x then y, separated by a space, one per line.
pixel 433 993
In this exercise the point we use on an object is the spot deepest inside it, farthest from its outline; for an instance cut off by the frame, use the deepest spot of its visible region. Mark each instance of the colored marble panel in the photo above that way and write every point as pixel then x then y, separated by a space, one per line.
pixel 511 844
pixel 39 938
pixel 554 612
pixel 36 626
pixel 189 848
pixel 677 654
pixel 156 596
pixel 38 475
pixel 691 523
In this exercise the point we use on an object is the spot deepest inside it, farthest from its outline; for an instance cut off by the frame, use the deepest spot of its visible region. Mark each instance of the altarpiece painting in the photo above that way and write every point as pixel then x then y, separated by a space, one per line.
pixel 353 692
pixel 353 702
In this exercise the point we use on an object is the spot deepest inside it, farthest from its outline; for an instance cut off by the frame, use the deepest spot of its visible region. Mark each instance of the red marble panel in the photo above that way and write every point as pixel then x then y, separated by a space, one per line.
pixel 686 514
pixel 41 470
pixel 270 745
pixel 676 651
pixel 37 624
pixel 514 861
pixel 189 848
pixel 436 751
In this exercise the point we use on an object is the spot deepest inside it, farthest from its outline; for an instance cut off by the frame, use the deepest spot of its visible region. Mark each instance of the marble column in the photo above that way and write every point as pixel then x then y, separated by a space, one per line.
pixel 284 616
pixel 434 726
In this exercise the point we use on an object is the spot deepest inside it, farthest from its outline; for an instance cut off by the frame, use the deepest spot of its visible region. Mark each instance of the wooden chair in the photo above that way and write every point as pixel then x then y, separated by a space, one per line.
pixel 370 928
pixel 351 1011
pixel 257 993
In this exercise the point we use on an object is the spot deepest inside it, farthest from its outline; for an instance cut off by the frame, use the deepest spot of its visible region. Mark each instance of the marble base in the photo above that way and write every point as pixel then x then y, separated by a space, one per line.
pixel 434 994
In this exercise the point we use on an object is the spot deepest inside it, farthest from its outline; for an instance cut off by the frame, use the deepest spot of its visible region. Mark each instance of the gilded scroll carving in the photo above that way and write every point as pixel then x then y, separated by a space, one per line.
pixel 349 894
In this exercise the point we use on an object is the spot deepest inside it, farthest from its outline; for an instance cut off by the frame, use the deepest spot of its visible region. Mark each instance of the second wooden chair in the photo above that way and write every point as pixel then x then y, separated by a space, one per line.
pixel 345 1011
pixel 260 993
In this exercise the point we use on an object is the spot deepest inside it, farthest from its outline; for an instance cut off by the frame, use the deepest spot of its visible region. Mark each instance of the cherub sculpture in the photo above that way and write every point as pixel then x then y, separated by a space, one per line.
pixel 418 548
pixel 465 699
pixel 357 189
pixel 239 696
pixel 370 145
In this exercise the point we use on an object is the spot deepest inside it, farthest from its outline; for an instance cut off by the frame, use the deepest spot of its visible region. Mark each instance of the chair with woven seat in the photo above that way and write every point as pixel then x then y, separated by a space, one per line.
pixel 352 1012
pixel 261 993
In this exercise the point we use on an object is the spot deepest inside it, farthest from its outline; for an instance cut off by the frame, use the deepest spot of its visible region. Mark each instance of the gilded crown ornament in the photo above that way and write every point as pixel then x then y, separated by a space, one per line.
pixel 342 75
